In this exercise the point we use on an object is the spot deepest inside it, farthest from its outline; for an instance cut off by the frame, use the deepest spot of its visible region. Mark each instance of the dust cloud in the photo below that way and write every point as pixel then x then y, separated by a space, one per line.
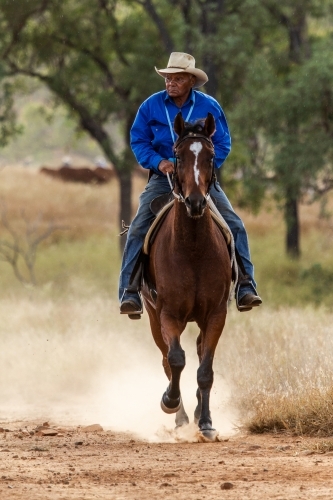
pixel 77 361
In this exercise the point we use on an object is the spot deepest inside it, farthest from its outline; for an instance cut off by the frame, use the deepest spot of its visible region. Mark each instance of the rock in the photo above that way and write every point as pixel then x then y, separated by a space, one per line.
pixel 25 432
pixel 254 447
pixel 79 443
pixel 283 448
pixel 39 448
pixel 46 424
pixel 92 428
pixel 306 453
pixel 165 485
pixel 170 474
pixel 226 486
pixel 2 429
pixel 49 432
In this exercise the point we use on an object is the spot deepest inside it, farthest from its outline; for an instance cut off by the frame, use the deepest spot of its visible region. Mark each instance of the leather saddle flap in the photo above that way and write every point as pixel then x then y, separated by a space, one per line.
pixel 160 201
pixel 153 230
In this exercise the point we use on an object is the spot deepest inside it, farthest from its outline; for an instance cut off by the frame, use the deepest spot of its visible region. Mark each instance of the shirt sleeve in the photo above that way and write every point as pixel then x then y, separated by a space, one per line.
pixel 141 140
pixel 221 138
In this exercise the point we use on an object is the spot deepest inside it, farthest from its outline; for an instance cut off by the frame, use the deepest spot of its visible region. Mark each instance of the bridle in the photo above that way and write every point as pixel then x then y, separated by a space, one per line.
pixel 174 181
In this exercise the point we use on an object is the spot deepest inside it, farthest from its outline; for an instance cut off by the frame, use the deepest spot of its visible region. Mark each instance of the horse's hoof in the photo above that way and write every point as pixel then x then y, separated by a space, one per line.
pixel 169 405
pixel 208 435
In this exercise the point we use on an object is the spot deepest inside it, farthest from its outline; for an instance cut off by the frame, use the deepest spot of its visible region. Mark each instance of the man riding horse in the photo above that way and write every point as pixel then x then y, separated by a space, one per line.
pixel 152 139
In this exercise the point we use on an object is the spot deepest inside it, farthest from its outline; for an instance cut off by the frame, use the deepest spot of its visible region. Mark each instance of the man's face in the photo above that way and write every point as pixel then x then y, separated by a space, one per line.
pixel 179 84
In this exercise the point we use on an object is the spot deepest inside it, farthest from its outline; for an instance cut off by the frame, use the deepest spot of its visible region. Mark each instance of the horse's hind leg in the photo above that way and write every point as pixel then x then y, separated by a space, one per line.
pixel 205 374
pixel 181 416
pixel 197 411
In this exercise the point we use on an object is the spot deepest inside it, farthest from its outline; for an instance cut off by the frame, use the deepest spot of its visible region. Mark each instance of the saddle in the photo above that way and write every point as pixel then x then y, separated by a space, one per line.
pixel 161 206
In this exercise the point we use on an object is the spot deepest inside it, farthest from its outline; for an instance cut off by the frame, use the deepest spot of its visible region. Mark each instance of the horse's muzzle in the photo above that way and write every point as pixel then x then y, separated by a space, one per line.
pixel 195 205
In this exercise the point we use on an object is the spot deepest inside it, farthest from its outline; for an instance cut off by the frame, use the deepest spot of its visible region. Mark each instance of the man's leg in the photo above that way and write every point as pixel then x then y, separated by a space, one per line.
pixel 247 293
pixel 131 302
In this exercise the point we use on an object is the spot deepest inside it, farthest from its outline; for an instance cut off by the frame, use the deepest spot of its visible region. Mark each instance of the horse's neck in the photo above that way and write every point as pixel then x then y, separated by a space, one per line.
pixel 192 233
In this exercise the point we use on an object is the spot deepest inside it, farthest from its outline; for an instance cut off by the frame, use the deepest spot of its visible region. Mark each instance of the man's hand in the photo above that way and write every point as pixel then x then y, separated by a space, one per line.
pixel 166 166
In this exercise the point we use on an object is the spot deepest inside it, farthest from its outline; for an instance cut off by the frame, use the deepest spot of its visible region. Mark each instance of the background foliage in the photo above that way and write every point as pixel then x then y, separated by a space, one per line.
pixel 268 62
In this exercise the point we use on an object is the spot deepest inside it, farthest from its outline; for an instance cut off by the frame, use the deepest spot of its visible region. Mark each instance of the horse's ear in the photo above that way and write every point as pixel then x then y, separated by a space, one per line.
pixel 210 125
pixel 179 124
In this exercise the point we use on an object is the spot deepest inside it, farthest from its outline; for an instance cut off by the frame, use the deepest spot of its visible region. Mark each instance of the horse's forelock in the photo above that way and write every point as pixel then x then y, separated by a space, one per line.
pixel 196 127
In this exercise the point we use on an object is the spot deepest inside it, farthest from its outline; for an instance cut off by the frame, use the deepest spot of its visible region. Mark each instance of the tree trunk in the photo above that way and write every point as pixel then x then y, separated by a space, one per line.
pixel 125 212
pixel 292 224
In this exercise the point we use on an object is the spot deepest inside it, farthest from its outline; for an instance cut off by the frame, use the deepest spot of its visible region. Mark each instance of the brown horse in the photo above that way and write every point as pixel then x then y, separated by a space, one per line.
pixel 189 267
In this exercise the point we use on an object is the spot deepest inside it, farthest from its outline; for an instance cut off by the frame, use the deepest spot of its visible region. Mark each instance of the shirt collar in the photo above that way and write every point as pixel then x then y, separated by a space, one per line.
pixel 188 100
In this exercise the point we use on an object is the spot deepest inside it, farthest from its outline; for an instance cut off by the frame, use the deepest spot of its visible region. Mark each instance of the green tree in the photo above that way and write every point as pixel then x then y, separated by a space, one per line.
pixel 285 117
pixel 93 56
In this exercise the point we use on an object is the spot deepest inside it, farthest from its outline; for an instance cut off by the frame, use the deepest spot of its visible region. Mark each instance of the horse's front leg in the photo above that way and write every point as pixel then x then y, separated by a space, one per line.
pixel 205 374
pixel 171 331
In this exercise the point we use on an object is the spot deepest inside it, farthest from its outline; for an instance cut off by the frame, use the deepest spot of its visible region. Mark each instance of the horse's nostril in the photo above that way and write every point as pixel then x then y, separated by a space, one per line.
pixel 188 201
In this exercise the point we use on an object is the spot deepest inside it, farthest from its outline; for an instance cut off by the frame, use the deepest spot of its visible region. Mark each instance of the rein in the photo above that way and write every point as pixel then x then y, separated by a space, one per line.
pixel 193 136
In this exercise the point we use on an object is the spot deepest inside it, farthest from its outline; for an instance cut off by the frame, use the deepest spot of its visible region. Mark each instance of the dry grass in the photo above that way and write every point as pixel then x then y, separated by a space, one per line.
pixel 281 364
pixel 85 209
pixel 308 413
pixel 322 446
pixel 77 348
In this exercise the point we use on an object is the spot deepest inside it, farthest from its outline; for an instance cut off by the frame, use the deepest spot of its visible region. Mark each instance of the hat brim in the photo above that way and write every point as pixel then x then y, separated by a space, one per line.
pixel 201 77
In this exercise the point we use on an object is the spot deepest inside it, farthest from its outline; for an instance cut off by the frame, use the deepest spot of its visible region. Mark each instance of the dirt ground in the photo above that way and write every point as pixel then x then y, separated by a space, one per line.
pixel 80 463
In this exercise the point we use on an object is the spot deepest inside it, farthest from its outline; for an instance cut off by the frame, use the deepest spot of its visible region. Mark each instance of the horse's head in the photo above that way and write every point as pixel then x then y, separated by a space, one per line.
pixel 194 170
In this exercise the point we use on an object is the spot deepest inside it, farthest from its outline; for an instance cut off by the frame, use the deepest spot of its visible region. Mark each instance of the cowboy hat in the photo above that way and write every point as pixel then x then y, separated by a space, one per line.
pixel 180 62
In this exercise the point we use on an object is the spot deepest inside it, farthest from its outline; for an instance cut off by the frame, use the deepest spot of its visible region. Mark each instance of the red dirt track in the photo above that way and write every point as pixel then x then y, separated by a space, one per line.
pixel 108 465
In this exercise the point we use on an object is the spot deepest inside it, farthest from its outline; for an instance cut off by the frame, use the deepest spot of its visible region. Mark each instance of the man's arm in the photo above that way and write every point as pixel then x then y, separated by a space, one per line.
pixel 141 141
pixel 221 139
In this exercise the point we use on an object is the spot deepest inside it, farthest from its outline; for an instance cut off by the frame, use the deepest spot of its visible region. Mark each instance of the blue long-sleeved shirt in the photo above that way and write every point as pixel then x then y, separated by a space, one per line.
pixel 151 139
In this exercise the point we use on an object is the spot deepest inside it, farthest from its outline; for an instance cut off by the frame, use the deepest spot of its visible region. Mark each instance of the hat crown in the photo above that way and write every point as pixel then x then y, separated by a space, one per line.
pixel 181 60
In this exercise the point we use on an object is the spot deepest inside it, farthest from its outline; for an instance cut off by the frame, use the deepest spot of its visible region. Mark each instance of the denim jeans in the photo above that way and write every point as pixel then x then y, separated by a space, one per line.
pixel 139 227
